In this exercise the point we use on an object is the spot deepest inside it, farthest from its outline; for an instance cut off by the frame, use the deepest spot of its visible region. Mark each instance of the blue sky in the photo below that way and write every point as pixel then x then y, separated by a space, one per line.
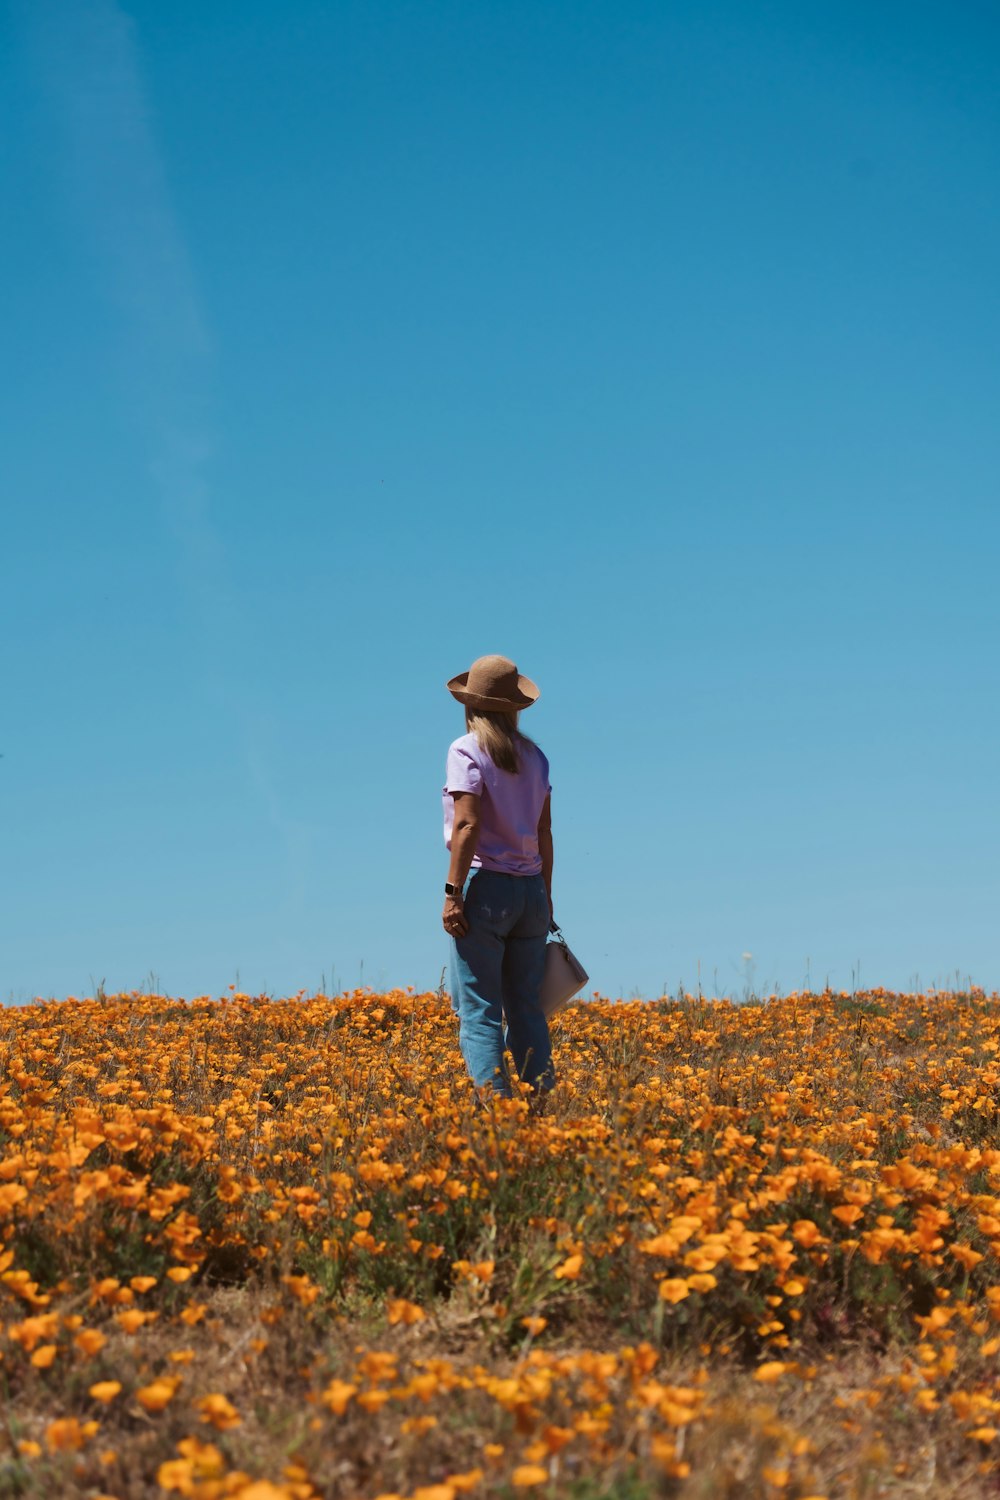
pixel 652 345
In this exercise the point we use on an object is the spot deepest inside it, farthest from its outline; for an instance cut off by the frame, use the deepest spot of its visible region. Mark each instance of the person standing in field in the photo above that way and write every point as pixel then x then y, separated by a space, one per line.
pixel 498 895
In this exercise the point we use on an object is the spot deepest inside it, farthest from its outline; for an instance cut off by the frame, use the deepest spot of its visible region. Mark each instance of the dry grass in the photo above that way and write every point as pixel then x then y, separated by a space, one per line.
pixel 270 1249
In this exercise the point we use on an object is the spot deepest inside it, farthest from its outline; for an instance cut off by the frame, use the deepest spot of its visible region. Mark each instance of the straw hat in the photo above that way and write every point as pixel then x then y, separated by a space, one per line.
pixel 493 684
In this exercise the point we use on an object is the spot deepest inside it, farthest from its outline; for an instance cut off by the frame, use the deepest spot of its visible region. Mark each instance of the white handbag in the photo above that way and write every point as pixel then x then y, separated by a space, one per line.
pixel 564 975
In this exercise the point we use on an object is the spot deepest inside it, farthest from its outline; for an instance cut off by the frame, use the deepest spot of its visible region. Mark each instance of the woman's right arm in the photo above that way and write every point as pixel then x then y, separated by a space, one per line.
pixel 464 839
pixel 545 848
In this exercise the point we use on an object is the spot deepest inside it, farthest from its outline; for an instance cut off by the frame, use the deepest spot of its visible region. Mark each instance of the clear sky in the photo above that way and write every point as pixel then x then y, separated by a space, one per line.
pixel 656 345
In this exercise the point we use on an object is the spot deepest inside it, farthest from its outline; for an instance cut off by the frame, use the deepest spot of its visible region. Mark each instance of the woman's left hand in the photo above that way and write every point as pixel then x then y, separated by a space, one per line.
pixel 456 924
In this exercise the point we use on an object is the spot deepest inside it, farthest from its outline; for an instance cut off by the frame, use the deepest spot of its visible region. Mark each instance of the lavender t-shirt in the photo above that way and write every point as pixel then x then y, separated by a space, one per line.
pixel 509 805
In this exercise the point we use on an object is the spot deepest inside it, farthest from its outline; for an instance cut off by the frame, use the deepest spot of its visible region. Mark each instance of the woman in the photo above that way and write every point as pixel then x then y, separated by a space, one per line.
pixel 498 896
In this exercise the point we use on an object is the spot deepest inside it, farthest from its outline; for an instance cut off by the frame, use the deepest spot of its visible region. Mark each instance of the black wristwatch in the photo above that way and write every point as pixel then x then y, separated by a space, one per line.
pixel 452 890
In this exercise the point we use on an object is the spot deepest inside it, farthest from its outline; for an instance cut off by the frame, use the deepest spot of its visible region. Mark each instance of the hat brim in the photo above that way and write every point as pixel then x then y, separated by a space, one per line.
pixel 527 694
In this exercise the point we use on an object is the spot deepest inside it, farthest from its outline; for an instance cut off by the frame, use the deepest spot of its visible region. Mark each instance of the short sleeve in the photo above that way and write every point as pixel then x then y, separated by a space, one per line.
pixel 462 774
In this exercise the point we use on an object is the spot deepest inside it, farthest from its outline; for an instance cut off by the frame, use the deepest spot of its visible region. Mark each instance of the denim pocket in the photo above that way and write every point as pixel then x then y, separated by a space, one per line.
pixel 537 905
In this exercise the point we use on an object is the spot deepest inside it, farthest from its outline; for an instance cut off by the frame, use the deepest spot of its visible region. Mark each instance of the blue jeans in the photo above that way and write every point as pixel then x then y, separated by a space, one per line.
pixel 496 976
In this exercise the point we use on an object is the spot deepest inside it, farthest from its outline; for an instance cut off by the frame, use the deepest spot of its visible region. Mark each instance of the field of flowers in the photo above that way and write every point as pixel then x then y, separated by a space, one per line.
pixel 272 1250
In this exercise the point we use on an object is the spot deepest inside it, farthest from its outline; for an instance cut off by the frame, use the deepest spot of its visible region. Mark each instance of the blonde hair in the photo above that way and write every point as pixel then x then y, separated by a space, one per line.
pixel 497 734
